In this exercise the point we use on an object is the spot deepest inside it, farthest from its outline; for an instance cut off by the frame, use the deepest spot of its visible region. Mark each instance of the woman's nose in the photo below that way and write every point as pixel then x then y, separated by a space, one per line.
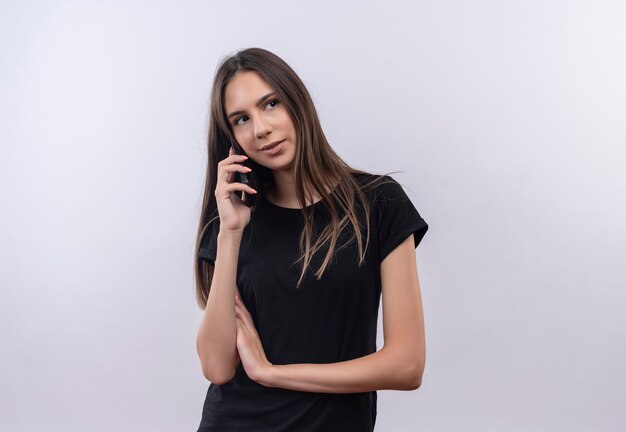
pixel 261 127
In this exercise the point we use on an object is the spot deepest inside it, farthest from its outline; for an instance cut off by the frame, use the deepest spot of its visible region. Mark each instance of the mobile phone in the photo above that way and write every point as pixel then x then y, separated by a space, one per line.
pixel 248 199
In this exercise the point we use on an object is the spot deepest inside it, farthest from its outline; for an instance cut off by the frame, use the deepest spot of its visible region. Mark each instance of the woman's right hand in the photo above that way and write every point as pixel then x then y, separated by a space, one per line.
pixel 233 212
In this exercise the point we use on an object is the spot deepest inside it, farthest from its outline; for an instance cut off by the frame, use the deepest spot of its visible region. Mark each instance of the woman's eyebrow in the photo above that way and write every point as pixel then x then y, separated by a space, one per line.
pixel 259 102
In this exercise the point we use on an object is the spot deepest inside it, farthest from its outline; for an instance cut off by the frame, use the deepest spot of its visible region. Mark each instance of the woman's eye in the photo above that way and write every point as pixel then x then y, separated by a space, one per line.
pixel 239 118
pixel 273 101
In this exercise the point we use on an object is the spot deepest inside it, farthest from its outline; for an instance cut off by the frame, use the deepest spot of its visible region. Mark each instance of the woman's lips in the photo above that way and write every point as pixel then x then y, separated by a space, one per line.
pixel 275 149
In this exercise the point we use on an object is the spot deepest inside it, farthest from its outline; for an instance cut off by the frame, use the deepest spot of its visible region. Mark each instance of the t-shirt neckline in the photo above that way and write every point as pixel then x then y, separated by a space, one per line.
pixel 285 210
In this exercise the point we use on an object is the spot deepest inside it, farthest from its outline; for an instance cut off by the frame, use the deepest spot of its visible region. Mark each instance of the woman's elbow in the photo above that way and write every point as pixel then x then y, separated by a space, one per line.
pixel 217 377
pixel 414 376
pixel 416 382
pixel 407 368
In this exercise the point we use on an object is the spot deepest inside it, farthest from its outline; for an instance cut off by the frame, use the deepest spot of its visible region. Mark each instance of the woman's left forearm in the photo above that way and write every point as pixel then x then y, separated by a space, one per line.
pixel 382 370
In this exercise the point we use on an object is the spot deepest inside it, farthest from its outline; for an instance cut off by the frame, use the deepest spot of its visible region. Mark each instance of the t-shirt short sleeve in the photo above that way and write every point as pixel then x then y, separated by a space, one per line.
pixel 208 248
pixel 397 218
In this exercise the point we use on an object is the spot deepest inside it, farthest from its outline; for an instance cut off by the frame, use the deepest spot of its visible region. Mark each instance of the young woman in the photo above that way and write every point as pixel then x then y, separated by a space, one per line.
pixel 290 266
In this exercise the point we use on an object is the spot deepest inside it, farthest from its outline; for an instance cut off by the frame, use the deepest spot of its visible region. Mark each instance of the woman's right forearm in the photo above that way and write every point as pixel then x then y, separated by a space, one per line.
pixel 217 336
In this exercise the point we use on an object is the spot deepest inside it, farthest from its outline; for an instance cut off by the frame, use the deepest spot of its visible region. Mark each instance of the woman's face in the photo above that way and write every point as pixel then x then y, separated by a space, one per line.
pixel 258 118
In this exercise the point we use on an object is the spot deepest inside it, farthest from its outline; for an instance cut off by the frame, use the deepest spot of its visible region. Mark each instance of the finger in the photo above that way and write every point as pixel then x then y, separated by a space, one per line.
pixel 236 187
pixel 230 165
pixel 240 302
pixel 241 316
pixel 244 310
pixel 237 167
pixel 230 179
pixel 230 176
pixel 240 328
pixel 246 322
pixel 241 305
pixel 232 158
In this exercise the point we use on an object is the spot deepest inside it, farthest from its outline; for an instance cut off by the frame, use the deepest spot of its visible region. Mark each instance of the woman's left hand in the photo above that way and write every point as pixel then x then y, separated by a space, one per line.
pixel 249 345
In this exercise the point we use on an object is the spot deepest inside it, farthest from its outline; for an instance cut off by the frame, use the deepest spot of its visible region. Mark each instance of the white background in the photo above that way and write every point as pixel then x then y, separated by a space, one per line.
pixel 507 120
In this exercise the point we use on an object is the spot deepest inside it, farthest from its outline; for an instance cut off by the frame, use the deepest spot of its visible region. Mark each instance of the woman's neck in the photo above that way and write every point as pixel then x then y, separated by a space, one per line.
pixel 285 196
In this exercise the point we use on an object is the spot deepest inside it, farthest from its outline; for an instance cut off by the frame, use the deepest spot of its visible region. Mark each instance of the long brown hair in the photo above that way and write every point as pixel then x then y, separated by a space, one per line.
pixel 316 168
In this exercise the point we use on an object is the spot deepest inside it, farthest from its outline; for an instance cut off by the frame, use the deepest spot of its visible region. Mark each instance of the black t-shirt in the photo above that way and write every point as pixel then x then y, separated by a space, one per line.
pixel 326 321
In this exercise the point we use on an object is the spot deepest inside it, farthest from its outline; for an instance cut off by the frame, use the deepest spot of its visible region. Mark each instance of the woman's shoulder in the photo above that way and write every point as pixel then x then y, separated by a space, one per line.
pixel 375 187
pixel 374 183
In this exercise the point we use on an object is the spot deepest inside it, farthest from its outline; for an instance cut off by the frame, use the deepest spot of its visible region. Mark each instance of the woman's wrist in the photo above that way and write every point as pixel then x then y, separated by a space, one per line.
pixel 229 234
pixel 266 375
